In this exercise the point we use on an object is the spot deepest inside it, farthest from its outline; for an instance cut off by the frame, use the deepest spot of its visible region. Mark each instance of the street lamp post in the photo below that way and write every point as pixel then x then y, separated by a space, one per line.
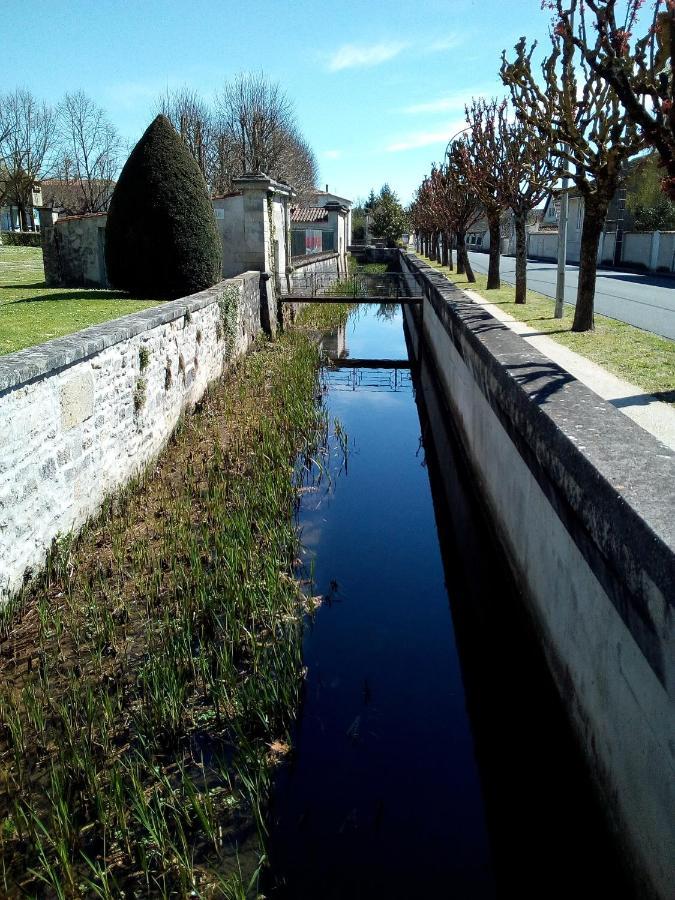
pixel 562 248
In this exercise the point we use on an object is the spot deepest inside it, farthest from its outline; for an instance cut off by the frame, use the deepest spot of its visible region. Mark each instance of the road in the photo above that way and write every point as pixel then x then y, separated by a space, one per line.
pixel 647 301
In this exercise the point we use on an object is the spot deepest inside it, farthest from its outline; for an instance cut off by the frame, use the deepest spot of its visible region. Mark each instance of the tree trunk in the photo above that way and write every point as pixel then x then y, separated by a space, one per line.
pixel 493 281
pixel 23 218
pixel 460 258
pixel 464 256
pixel 594 217
pixel 521 257
pixel 439 247
pixel 447 246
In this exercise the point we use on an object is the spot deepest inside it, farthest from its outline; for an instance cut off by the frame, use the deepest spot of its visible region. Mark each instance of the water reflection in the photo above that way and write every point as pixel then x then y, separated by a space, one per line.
pixel 431 754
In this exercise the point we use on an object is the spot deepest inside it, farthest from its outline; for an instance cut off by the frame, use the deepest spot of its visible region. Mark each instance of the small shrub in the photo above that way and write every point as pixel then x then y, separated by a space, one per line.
pixel 161 236
pixel 143 358
pixel 168 377
pixel 21 239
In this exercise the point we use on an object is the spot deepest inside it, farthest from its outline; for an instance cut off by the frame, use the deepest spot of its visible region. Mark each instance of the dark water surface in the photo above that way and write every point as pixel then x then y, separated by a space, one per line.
pixel 431 757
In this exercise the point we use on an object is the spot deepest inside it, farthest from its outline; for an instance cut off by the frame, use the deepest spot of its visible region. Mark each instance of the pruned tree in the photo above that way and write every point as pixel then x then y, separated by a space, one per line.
pixel 422 216
pixel 464 206
pixel 441 211
pixel 485 167
pixel 27 137
pixel 529 175
pixel 89 152
pixel 640 72
pixel 579 113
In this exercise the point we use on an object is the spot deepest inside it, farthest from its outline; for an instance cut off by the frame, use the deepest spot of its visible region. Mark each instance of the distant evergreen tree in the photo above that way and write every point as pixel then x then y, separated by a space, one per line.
pixel 389 218
pixel 161 237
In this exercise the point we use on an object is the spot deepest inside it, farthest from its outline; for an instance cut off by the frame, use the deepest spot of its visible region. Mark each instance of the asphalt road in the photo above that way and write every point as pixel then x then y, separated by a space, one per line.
pixel 647 301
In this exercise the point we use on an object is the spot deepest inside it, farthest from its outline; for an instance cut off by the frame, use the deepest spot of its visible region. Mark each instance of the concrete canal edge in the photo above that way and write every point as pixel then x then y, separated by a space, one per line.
pixel 582 500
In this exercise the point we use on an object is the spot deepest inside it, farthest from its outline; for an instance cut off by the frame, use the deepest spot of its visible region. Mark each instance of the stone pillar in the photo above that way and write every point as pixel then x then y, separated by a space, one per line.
pixel 50 249
pixel 260 194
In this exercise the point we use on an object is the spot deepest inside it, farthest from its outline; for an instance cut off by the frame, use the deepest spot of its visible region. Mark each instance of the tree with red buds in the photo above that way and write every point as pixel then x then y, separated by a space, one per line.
pixel 579 113
pixel 485 167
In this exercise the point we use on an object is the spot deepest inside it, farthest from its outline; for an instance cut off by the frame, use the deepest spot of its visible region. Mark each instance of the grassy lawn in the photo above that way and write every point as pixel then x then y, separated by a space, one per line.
pixel 31 313
pixel 643 358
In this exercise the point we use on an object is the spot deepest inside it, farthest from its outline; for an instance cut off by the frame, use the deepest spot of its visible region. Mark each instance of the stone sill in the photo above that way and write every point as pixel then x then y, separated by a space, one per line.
pixel 298 262
pixel 24 366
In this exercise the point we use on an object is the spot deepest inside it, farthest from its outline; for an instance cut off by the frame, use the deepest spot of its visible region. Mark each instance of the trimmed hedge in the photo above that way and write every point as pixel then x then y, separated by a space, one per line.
pixel 161 236
pixel 21 239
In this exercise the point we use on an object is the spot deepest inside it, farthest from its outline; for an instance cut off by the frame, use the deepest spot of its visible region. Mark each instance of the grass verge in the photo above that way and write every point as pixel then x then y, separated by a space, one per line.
pixel 31 313
pixel 149 675
pixel 638 356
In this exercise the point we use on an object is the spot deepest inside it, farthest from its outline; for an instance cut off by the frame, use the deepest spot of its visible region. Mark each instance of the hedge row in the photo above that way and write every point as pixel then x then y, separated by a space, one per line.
pixel 21 238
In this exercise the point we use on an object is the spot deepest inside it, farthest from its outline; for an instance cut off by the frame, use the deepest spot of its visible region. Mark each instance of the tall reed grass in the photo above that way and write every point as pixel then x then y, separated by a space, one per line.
pixel 150 675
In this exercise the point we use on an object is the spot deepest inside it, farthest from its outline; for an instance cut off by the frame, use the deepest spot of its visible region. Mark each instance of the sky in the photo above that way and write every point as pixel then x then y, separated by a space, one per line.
pixel 378 86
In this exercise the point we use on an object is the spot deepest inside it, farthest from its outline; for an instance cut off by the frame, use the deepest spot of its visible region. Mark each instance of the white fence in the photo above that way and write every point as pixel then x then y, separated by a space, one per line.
pixel 651 250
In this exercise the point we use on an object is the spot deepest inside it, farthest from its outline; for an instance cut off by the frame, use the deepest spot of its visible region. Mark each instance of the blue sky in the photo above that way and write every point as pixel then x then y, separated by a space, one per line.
pixel 378 87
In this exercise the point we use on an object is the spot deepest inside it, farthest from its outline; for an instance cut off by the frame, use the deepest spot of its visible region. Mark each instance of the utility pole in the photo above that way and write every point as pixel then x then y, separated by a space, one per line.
pixel 562 218
pixel 562 248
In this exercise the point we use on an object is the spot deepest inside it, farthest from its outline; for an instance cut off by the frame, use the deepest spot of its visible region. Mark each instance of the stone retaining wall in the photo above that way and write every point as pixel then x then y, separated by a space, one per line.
pixel 80 415
pixel 583 501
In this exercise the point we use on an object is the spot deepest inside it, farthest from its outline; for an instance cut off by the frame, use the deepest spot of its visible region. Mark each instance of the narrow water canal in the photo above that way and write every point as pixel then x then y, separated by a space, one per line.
pixel 431 757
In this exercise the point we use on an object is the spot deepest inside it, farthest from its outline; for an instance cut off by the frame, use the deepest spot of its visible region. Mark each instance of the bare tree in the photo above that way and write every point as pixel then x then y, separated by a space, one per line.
pixel 258 132
pixel 485 167
pixel 193 120
pixel 27 135
pixel 579 109
pixel 297 165
pixel 256 113
pixel 90 150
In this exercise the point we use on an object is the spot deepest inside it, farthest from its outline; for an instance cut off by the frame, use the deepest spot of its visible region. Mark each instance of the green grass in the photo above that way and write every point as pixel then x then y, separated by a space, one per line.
pixel 31 313
pixel 638 356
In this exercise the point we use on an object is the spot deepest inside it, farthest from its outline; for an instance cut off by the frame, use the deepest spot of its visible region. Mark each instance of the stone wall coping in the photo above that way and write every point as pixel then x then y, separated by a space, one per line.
pixel 24 366
pixel 616 479
pixel 299 261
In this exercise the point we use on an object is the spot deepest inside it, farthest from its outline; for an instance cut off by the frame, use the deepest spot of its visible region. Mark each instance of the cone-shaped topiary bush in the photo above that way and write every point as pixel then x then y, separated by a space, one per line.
pixel 161 238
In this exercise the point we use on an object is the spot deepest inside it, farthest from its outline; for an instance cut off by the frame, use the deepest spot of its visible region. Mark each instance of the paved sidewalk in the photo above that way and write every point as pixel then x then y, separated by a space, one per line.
pixel 651 414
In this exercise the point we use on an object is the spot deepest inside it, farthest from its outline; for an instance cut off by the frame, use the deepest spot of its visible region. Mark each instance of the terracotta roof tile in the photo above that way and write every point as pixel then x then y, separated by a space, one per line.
pixel 309 214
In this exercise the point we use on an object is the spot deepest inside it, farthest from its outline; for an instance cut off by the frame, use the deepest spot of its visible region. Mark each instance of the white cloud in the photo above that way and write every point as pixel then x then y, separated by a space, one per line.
pixel 332 154
pixel 447 43
pixel 351 56
pixel 451 102
pixel 416 139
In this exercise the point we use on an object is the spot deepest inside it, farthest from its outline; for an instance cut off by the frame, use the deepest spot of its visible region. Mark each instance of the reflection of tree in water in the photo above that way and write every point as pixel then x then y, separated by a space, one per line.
pixel 387 311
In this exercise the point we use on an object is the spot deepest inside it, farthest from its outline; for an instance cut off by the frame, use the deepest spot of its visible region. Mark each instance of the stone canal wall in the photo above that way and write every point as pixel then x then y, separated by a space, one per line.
pixel 80 415
pixel 582 500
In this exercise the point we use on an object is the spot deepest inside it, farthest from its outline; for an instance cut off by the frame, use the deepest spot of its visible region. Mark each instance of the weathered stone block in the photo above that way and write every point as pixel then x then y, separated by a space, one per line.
pixel 77 400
